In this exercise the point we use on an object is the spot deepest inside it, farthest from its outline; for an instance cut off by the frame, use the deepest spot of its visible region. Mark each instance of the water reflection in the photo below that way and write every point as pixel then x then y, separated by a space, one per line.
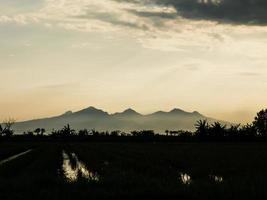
pixel 14 157
pixel 185 178
pixel 106 163
pixel 216 178
pixel 73 167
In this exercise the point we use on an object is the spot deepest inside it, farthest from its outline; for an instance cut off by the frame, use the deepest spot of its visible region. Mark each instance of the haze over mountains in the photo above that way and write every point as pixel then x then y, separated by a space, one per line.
pixel 128 120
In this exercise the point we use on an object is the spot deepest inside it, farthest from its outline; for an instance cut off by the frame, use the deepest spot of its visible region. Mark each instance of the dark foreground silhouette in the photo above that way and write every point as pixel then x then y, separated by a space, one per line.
pixel 82 170
pixel 213 162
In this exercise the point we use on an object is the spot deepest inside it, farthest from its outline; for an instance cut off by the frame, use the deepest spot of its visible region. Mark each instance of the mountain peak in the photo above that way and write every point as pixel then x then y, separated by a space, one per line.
pixel 177 110
pixel 68 112
pixel 159 113
pixel 197 113
pixel 130 111
pixel 92 111
pixel 91 108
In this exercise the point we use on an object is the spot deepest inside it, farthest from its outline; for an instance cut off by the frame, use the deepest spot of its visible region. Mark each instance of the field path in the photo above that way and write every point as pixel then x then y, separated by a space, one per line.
pixel 14 157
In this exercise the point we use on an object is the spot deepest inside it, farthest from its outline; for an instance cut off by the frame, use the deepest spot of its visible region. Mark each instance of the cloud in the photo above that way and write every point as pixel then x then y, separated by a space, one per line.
pixel 58 86
pixel 19 19
pixel 227 11
pixel 168 25
pixel 249 74
pixel 191 67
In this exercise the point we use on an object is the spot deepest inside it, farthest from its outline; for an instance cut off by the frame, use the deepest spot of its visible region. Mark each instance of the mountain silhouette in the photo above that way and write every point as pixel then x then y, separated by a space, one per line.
pixel 178 112
pixel 127 113
pixel 91 111
pixel 128 120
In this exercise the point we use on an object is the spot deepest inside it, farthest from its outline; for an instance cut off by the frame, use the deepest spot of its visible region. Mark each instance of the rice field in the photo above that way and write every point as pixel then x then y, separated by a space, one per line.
pixel 84 170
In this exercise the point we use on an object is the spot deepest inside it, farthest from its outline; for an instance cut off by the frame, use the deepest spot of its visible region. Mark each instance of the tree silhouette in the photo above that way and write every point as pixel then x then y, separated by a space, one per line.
pixel 260 122
pixel 115 133
pixel 174 133
pixel 1 130
pixel 67 131
pixel 249 130
pixel 144 133
pixel 42 131
pixel 147 133
pixel 7 130
pixel 217 129
pixel 233 131
pixel 83 133
pixel 94 132
pixel 202 128
pixel 29 133
pixel 167 132
pixel 37 131
pixel 134 133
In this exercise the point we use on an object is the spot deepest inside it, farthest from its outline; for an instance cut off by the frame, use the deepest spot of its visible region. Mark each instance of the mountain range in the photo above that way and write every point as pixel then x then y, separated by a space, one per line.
pixel 128 120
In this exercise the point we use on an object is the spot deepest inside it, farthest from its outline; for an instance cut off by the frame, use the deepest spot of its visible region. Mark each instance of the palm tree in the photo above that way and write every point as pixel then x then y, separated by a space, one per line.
pixel 202 128
pixel 67 131
pixel 217 129
pixel 234 130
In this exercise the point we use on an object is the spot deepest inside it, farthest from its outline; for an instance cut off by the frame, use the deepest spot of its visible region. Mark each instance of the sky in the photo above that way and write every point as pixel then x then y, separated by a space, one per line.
pixel 203 55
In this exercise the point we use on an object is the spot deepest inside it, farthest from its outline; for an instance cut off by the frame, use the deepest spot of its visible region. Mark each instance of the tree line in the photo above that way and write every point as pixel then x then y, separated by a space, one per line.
pixel 203 131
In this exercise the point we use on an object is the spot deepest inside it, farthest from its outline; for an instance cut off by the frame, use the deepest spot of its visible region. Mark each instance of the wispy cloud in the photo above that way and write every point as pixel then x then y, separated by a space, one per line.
pixel 158 24
pixel 249 74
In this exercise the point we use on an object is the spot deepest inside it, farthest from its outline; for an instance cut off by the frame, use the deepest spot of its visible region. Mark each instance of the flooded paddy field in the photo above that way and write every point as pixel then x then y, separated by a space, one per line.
pixel 83 170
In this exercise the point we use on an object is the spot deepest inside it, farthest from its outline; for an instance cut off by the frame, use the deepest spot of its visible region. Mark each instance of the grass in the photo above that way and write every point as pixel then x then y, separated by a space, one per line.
pixel 135 170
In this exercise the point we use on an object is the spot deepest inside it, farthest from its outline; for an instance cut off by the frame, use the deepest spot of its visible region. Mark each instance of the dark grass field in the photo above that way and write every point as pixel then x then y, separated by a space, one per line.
pixel 136 170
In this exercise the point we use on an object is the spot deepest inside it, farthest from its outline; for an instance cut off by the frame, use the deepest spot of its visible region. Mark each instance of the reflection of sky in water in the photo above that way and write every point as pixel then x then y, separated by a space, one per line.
pixel 216 178
pixel 185 178
pixel 72 172
pixel 9 7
